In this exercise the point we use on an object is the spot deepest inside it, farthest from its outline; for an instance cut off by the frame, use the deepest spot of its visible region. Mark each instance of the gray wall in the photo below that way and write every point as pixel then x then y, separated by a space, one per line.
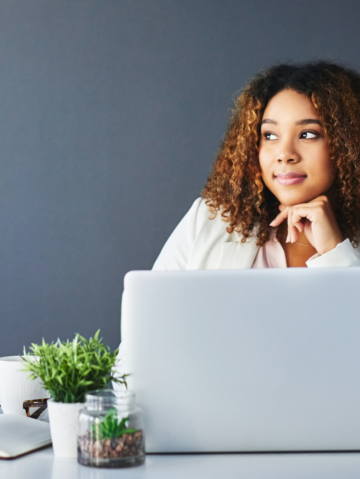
pixel 111 112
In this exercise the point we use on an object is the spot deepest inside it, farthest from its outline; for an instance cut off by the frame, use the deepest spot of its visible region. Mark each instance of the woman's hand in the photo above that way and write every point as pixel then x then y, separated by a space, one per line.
pixel 316 219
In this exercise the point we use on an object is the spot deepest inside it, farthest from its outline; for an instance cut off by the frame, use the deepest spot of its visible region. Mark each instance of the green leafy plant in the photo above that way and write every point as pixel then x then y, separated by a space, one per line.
pixel 68 370
pixel 109 427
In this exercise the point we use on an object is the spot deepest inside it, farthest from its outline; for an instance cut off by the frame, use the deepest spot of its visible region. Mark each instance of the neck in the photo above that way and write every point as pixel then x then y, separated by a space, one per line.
pixel 303 239
pixel 301 235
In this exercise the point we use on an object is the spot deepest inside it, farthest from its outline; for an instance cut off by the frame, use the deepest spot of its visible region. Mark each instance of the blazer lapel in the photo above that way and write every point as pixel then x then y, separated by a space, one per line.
pixel 237 255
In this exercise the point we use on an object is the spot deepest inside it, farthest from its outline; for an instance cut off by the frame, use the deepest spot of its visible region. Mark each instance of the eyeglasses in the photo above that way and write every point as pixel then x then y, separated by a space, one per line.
pixel 41 404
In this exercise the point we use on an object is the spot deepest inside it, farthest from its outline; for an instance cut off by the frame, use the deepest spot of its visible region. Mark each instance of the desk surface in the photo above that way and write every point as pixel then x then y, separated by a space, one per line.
pixel 43 464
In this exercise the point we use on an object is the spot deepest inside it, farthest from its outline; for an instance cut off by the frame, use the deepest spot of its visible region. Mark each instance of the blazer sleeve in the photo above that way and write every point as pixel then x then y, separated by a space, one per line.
pixel 342 256
pixel 176 251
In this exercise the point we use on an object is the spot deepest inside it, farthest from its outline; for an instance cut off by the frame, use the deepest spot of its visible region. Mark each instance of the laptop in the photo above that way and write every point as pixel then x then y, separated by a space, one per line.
pixel 245 360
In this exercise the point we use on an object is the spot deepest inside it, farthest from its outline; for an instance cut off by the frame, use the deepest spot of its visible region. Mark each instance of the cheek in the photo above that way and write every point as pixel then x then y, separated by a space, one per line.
pixel 261 161
pixel 264 163
pixel 324 172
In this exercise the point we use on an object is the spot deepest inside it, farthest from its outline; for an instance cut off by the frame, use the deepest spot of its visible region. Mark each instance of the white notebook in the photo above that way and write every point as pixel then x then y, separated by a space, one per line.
pixel 20 435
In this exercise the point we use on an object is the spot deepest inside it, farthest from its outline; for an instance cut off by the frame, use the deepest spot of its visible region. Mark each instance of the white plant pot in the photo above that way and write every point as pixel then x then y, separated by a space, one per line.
pixel 63 419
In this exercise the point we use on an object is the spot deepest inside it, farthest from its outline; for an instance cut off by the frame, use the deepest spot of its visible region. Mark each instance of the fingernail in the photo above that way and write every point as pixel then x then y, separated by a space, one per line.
pixel 287 239
pixel 271 224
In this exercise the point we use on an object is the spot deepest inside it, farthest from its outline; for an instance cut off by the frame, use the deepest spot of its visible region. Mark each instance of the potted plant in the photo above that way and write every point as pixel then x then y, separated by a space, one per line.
pixel 68 370
pixel 109 441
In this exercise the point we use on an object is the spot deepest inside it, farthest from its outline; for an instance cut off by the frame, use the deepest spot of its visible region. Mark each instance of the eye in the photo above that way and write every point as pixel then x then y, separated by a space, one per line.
pixel 309 135
pixel 269 136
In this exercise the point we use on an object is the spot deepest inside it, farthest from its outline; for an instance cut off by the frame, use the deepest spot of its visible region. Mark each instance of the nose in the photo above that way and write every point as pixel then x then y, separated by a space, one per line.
pixel 287 152
pixel 293 159
pixel 288 155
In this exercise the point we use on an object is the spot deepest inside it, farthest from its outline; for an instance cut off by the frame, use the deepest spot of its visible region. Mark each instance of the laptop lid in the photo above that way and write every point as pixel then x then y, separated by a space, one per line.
pixel 245 360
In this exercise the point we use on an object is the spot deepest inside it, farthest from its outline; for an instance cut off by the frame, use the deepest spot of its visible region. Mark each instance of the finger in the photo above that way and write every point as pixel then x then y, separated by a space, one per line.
pixel 299 225
pixel 297 222
pixel 280 218
pixel 300 213
pixel 297 217
pixel 303 215
pixel 290 236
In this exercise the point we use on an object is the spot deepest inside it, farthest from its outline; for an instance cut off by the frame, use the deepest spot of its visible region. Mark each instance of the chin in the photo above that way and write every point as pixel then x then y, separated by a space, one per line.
pixel 291 200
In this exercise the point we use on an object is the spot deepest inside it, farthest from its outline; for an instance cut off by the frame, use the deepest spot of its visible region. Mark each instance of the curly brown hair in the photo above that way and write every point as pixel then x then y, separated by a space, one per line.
pixel 235 184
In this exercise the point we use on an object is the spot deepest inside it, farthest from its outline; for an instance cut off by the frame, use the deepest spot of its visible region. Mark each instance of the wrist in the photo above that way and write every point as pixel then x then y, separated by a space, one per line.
pixel 329 246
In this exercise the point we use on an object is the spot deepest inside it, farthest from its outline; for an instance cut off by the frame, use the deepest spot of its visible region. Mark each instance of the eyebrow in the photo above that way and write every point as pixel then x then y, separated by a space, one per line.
pixel 307 121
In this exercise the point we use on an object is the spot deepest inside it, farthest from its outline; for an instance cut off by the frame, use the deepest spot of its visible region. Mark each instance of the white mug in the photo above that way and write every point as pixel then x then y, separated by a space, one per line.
pixel 16 387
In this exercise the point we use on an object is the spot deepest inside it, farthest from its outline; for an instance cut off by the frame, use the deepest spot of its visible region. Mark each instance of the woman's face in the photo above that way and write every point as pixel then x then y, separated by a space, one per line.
pixel 294 151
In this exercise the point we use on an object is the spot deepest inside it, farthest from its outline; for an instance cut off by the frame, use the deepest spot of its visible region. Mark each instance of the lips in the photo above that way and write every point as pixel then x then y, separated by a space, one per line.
pixel 290 178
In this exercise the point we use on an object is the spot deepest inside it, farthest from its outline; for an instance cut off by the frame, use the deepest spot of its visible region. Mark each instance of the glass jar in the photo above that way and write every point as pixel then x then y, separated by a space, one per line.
pixel 111 430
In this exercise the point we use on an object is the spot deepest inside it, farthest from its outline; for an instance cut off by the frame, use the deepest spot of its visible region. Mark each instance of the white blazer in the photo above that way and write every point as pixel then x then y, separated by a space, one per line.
pixel 200 243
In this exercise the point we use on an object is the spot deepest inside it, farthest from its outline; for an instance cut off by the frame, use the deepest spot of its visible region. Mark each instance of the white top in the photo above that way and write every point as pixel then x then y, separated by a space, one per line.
pixel 271 255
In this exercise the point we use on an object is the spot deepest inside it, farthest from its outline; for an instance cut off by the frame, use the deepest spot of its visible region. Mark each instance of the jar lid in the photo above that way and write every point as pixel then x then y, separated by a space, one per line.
pixel 103 399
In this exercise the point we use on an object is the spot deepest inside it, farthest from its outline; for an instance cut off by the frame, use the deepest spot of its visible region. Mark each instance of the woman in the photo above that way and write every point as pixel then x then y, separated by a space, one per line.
pixel 284 190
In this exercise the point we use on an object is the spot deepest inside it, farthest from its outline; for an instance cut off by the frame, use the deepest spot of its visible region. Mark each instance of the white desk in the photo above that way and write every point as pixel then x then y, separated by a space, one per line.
pixel 43 465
